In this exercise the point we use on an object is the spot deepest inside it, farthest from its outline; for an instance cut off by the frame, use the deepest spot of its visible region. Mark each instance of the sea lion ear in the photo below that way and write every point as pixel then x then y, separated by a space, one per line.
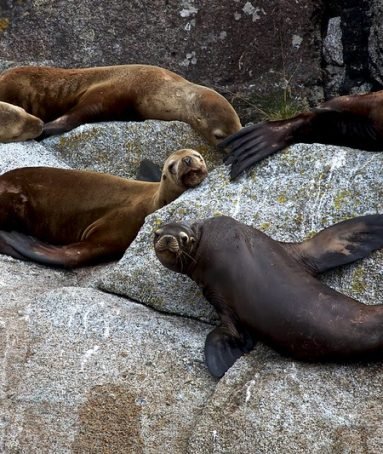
pixel 149 171
pixel 222 350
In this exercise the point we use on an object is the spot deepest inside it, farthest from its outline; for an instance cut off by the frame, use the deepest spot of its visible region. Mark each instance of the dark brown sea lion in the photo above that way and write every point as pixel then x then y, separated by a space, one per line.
pixel 87 217
pixel 67 98
pixel 17 125
pixel 355 121
pixel 264 289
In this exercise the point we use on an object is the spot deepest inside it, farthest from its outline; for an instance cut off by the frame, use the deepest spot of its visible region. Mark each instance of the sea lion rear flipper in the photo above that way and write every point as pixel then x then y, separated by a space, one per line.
pixel 149 171
pixel 69 256
pixel 340 243
pixel 222 350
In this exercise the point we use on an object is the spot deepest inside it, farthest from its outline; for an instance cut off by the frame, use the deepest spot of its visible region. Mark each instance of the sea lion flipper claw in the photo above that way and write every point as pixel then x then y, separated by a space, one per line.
pixel 342 243
pixel 259 141
pixel 222 350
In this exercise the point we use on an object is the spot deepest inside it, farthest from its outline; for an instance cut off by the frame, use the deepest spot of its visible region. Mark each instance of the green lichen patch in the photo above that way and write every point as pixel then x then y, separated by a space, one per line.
pixel 4 24
pixel 358 283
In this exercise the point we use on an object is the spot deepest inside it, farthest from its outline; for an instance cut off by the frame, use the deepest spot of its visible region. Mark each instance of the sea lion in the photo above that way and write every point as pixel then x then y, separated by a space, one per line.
pixel 17 125
pixel 268 290
pixel 87 217
pixel 67 98
pixel 355 121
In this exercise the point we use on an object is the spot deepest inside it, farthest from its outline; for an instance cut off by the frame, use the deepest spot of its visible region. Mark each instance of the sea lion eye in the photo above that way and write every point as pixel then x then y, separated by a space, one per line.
pixel 171 167
pixel 218 134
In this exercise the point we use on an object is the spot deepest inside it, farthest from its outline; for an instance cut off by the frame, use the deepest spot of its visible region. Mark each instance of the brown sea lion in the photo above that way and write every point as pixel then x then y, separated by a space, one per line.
pixel 67 98
pixel 17 125
pixel 86 217
pixel 355 121
pixel 268 290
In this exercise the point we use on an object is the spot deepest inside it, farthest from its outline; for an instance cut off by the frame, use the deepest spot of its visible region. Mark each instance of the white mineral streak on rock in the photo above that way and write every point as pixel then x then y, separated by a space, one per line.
pixel 88 354
pixel 253 11
pixel 249 385
pixel 296 41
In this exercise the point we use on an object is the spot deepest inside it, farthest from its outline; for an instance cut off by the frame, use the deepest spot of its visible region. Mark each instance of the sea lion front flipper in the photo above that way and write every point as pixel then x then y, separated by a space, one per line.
pixel 254 143
pixel 222 350
pixel 341 243
pixel 149 171
pixel 69 256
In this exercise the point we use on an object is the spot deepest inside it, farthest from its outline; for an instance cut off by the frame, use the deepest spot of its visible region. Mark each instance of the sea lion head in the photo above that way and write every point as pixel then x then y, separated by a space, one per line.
pixel 17 125
pixel 175 245
pixel 215 118
pixel 186 168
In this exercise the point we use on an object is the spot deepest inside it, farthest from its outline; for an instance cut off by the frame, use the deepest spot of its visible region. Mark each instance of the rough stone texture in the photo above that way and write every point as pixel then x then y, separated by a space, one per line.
pixel 333 57
pixel 102 374
pixel 289 196
pixel 119 147
pixel 83 371
pixel 268 404
pixel 27 154
pixel 375 42
pixel 222 43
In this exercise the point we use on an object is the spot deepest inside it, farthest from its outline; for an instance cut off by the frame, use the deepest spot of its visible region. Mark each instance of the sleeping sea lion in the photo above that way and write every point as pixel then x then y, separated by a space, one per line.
pixel 86 217
pixel 17 125
pixel 355 121
pixel 268 290
pixel 67 98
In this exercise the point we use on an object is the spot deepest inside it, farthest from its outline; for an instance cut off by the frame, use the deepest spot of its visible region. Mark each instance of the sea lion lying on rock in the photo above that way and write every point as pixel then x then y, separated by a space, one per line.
pixel 67 98
pixel 264 289
pixel 78 217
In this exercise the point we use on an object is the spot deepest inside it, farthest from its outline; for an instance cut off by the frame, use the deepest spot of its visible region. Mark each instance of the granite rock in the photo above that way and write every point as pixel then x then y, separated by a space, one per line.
pixel 82 370
pixel 289 196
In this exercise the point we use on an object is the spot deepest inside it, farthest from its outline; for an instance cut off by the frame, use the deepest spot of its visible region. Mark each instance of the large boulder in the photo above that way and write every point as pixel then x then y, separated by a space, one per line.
pixel 289 196
pixel 87 371
pixel 99 374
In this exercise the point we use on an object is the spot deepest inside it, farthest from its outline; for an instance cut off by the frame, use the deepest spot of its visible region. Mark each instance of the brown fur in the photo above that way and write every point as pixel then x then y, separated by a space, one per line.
pixel 95 216
pixel 66 98
pixel 17 125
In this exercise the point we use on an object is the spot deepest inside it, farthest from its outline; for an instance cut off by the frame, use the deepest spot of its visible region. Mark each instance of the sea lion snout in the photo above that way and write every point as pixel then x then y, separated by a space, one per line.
pixel 166 243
